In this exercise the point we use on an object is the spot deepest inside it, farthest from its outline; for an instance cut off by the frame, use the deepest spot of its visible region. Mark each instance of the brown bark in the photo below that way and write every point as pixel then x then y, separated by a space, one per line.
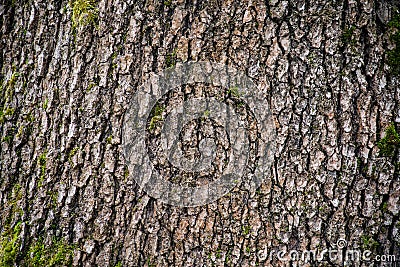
pixel 322 67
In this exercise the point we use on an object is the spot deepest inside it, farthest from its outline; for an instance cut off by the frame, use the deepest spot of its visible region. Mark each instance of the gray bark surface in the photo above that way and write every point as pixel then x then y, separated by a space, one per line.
pixel 63 176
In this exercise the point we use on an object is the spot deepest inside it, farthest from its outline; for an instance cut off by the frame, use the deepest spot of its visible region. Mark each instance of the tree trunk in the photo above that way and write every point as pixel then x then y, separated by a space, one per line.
pixel 66 196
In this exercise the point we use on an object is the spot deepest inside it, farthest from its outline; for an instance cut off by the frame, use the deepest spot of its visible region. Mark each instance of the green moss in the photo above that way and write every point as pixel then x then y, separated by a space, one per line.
pixel 114 55
pixel 84 12
pixel 10 244
pixel 369 242
pixel 385 207
pixel 347 35
pixel 126 173
pixel 5 112
pixel 90 86
pixel 46 101
pixel 7 139
pixel 168 2
pixel 42 166
pixel 9 86
pixel 30 117
pixel 53 197
pixel 157 116
pixel 114 64
pixel 59 253
pixel 16 196
pixel 16 209
pixel 390 143
pixel 13 79
pixel 20 131
pixel 71 154
pixel 234 91
pixel 246 229
pixel 10 239
pixel 393 56
pixel 170 59
pixel 236 94
pixel 228 257
pixel 7 95
pixel 149 263
pixel 218 254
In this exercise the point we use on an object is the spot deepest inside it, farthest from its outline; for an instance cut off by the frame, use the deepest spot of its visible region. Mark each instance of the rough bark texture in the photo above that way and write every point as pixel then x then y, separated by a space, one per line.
pixel 63 180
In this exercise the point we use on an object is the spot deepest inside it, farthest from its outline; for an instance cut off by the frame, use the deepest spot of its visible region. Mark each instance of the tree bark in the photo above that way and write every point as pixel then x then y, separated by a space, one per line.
pixel 63 179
